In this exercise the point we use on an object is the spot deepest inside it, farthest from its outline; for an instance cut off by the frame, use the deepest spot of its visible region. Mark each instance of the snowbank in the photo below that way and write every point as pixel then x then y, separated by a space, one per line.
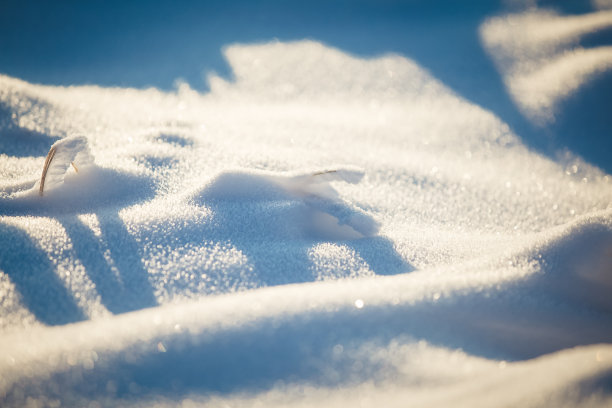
pixel 446 265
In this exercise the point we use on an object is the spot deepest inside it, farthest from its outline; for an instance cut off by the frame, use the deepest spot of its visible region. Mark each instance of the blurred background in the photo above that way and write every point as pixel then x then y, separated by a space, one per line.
pixel 155 43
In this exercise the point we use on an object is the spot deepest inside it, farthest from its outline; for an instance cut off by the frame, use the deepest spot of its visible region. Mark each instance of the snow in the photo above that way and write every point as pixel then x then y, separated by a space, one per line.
pixel 321 229
pixel 539 56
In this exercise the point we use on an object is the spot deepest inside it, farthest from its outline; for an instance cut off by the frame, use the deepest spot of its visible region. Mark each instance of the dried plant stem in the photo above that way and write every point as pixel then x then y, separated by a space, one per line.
pixel 320 173
pixel 48 161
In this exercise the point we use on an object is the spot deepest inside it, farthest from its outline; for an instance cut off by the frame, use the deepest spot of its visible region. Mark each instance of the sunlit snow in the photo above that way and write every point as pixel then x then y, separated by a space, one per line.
pixel 319 230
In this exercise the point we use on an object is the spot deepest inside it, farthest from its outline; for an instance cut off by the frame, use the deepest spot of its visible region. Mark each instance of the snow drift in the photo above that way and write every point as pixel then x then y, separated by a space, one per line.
pixel 447 265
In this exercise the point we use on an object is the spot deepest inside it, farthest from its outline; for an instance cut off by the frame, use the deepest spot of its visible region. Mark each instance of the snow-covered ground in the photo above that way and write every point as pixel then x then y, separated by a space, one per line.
pixel 320 229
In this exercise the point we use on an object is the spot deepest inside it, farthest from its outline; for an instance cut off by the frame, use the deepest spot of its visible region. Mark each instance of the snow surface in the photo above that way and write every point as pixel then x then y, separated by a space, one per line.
pixel 320 230
pixel 538 53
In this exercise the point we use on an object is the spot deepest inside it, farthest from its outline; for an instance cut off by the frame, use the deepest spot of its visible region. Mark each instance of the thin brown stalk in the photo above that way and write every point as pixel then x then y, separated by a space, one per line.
pixel 48 161
pixel 320 173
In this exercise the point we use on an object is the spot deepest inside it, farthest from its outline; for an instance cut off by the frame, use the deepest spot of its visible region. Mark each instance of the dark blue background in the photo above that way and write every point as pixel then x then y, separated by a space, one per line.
pixel 153 43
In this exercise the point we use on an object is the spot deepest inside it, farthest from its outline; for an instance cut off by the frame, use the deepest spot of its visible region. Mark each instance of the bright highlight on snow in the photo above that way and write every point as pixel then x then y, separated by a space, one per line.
pixel 321 230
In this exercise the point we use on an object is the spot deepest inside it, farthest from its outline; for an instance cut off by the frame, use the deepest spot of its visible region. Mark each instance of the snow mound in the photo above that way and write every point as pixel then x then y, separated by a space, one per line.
pixel 579 263
pixel 537 54
pixel 306 204
pixel 71 182
pixel 213 254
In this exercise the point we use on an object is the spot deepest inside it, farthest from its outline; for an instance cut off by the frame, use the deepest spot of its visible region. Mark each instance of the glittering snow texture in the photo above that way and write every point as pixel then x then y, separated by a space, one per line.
pixel 320 230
